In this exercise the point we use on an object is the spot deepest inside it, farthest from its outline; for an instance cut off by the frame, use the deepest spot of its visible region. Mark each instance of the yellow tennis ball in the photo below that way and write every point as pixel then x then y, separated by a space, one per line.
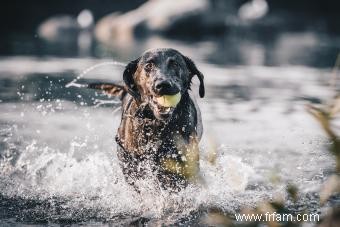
pixel 169 100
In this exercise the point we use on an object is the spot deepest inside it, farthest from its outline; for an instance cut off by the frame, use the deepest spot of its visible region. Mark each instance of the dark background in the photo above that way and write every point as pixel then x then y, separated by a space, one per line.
pixel 19 21
pixel 24 16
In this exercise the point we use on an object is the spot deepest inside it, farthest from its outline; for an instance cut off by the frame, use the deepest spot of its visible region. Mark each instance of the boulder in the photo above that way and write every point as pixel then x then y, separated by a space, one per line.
pixel 166 17
pixel 65 28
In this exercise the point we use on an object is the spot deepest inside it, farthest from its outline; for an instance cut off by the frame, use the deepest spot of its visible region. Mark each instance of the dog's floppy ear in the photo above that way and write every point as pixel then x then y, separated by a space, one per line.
pixel 194 71
pixel 109 88
pixel 129 71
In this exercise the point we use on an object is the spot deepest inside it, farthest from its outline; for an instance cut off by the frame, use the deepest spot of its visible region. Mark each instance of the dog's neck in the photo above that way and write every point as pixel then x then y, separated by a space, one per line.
pixel 141 132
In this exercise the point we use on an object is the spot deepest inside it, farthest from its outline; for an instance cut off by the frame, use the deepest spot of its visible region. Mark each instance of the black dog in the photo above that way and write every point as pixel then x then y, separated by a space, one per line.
pixel 149 133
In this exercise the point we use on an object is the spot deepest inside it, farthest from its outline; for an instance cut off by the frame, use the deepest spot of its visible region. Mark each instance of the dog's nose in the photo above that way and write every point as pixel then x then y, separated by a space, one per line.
pixel 162 84
pixel 165 87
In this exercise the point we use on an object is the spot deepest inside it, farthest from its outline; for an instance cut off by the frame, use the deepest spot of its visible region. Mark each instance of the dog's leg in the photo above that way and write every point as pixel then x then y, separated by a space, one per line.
pixel 177 172
pixel 129 166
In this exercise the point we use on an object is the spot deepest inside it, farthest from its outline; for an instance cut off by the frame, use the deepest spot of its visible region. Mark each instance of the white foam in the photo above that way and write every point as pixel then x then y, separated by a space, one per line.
pixel 92 178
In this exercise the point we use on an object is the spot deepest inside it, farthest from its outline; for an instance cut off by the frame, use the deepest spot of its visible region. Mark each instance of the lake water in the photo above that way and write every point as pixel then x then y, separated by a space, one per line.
pixel 57 150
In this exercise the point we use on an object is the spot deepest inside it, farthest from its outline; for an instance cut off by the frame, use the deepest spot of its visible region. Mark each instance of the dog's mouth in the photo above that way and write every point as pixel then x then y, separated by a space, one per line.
pixel 164 106
pixel 160 112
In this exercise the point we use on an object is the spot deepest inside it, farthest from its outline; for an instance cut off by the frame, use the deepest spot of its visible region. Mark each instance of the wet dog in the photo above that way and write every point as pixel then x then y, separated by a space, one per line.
pixel 162 135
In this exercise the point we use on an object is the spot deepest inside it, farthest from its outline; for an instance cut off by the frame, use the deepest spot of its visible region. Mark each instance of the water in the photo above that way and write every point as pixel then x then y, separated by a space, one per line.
pixel 57 150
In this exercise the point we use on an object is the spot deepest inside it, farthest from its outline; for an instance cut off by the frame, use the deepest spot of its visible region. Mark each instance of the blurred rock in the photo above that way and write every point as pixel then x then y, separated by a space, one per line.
pixel 253 10
pixel 56 28
pixel 65 28
pixel 185 18
pixel 68 32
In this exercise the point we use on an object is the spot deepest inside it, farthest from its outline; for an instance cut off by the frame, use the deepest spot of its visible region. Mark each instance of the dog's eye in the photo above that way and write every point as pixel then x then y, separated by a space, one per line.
pixel 149 66
pixel 173 63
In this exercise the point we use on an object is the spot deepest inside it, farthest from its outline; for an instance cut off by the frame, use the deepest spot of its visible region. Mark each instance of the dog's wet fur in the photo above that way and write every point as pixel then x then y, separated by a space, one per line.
pixel 166 138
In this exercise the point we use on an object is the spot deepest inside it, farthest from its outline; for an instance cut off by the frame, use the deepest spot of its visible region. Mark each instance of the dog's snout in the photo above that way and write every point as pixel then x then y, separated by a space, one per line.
pixel 162 84
pixel 165 87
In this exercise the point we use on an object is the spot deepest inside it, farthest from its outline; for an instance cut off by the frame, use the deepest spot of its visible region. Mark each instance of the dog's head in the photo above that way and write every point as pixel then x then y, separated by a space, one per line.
pixel 160 73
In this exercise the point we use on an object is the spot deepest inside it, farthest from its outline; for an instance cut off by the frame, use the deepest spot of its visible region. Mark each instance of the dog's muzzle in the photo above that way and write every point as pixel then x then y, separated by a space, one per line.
pixel 166 96
pixel 165 87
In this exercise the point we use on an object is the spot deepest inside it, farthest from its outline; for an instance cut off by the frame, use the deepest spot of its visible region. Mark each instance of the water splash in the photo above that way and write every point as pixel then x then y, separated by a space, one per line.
pixel 101 102
pixel 87 181
pixel 74 83
pixel 74 173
